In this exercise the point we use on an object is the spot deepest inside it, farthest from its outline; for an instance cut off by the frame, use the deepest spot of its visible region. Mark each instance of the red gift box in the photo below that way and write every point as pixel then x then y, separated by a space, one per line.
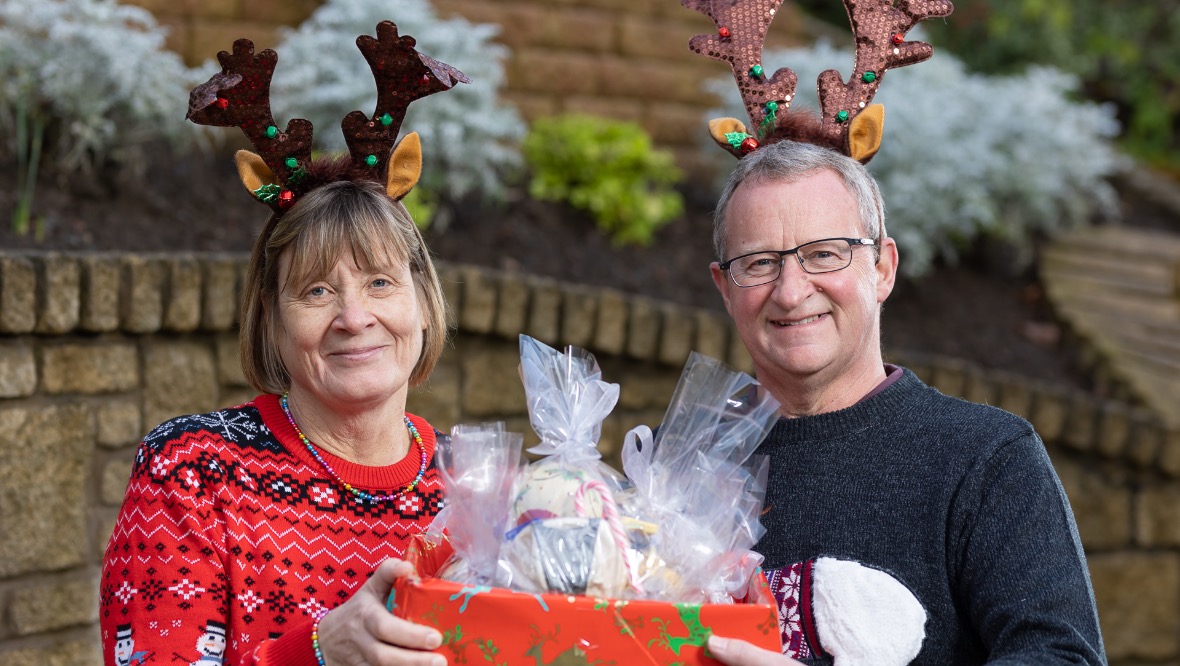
pixel 509 628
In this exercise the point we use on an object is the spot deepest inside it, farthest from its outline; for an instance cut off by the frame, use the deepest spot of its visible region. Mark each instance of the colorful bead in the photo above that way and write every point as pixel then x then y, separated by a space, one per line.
pixel 291 162
pixel 842 116
pixel 386 119
pixel 898 38
pixel 869 77
pixel 222 102
pixel 360 494
pixel 723 32
pixel 371 160
pixel 749 145
pixel 315 637
pixel 272 132
pixel 771 107
pixel 756 71
pixel 286 198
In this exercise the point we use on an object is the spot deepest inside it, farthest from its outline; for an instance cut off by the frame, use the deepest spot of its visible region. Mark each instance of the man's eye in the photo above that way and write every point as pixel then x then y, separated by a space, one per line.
pixel 762 263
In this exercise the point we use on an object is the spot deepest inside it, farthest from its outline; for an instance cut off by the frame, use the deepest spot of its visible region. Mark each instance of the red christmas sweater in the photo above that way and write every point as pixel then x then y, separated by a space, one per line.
pixel 232 536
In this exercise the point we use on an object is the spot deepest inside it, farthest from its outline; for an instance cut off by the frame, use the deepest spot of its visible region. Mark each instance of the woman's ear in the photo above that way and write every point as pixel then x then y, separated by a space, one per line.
pixel 405 167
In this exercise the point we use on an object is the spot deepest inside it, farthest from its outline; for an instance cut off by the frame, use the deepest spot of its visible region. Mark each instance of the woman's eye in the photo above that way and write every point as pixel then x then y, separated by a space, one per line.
pixel 381 283
pixel 316 292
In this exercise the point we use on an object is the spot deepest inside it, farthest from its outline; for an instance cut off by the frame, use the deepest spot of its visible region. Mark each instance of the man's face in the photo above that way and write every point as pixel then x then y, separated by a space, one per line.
pixel 805 326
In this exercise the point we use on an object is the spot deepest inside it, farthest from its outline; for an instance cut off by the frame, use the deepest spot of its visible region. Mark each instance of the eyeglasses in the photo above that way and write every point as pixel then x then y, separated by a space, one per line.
pixel 821 256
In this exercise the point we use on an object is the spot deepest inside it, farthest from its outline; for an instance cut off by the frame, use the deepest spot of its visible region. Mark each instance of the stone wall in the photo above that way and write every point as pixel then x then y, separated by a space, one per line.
pixel 624 59
pixel 97 348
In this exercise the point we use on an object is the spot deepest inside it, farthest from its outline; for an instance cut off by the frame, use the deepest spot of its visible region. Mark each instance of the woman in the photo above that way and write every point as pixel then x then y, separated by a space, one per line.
pixel 269 532
pixel 251 521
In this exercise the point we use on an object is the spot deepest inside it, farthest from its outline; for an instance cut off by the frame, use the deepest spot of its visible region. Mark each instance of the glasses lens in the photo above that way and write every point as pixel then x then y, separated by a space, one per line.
pixel 756 269
pixel 826 255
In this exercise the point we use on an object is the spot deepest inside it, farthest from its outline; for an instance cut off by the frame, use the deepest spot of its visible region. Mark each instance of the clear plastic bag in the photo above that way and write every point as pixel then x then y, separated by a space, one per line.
pixel 699 481
pixel 566 532
pixel 479 464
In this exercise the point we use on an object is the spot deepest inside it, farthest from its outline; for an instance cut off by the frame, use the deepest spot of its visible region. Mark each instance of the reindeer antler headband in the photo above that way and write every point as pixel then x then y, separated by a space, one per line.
pixel 282 171
pixel 847 123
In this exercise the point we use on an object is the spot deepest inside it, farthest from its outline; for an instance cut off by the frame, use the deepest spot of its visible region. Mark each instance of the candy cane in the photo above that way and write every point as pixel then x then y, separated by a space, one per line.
pixel 610 513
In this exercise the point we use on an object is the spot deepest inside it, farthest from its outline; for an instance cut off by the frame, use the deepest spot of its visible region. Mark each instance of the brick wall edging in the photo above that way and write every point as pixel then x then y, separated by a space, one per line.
pixel 56 293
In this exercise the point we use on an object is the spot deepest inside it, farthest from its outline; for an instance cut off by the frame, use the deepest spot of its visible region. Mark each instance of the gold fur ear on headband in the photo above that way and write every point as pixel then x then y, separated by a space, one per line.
pixel 864 134
pixel 405 167
pixel 253 171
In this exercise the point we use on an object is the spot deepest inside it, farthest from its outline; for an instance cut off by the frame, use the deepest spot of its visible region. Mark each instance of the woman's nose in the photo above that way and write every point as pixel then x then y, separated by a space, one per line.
pixel 355 312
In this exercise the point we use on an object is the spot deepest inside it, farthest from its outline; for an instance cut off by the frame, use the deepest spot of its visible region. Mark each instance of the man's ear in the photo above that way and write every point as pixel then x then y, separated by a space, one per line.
pixel 253 171
pixel 723 283
pixel 886 268
pixel 405 167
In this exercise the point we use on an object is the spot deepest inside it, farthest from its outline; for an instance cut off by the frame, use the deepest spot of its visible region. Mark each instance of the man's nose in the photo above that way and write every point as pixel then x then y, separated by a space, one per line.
pixel 793 285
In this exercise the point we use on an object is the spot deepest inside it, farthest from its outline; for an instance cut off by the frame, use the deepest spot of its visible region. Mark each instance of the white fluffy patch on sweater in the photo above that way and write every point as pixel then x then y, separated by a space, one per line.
pixel 865 617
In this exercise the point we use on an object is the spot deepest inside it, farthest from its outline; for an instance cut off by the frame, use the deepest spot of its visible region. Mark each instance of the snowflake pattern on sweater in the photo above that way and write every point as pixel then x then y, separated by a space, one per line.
pixel 228 520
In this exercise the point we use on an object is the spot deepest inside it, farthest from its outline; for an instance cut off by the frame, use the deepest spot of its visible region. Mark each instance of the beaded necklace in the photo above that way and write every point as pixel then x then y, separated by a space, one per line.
pixel 360 494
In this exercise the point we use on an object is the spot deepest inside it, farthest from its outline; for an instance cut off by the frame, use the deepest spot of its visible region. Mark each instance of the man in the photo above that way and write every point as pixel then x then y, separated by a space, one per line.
pixel 904 526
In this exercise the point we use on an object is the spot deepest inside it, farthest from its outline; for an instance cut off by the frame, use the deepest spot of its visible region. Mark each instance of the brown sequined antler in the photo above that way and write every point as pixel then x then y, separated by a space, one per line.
pixel 847 122
pixel 239 96
pixel 403 75
pixel 282 170
pixel 741 31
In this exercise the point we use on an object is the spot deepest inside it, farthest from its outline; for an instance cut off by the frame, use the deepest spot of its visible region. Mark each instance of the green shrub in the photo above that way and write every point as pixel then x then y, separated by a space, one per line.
pixel 421 204
pixel 607 168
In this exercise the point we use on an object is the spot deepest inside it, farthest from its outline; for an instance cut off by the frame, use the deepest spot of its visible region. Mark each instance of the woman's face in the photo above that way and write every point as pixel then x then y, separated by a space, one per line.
pixel 351 338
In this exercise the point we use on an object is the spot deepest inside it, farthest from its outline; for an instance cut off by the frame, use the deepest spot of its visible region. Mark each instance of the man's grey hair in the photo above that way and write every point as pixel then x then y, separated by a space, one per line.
pixel 789 161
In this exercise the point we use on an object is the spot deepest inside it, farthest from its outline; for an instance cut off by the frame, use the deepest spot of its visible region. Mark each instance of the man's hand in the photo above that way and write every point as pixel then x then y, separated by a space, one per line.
pixel 740 653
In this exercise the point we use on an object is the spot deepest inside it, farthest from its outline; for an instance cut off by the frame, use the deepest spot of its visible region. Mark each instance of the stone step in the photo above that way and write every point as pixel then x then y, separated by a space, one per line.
pixel 1151 275
pixel 1149 243
pixel 1085 298
pixel 1117 290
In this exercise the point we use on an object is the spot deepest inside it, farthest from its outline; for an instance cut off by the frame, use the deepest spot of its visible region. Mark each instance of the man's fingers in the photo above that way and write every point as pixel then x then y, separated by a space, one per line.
pixel 740 653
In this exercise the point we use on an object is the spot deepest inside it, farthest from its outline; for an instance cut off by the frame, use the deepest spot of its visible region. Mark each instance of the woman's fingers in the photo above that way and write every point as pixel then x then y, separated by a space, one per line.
pixel 363 631
pixel 387 627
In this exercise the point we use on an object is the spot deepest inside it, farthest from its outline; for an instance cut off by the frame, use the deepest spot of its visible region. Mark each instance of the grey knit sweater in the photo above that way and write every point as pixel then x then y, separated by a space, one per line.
pixel 958 502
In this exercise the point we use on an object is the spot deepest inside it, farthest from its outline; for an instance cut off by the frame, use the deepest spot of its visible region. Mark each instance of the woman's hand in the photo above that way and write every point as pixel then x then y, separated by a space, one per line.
pixel 362 631
pixel 740 653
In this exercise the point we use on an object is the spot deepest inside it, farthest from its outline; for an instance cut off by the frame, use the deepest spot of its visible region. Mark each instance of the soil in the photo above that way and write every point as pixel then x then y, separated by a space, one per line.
pixel 981 311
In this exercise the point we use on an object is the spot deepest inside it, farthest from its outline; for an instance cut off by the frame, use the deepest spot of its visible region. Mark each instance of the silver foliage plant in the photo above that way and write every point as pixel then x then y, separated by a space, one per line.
pixel 96 76
pixel 469 138
pixel 967 156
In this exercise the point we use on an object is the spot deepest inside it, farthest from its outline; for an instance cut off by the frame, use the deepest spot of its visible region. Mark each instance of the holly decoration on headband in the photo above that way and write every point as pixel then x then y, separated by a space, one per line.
pixel 281 170
pixel 848 122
